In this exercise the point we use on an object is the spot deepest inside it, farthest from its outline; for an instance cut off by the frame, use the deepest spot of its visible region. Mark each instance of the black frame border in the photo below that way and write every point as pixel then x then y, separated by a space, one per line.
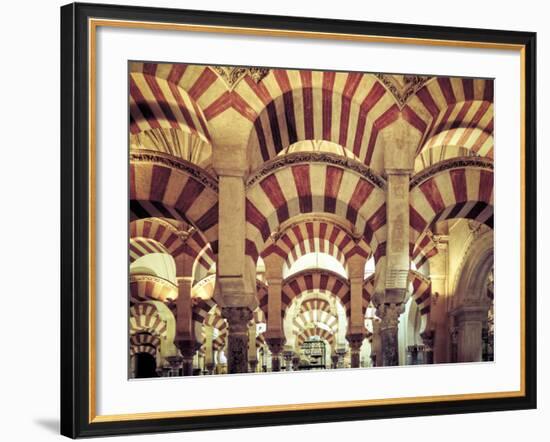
pixel 75 219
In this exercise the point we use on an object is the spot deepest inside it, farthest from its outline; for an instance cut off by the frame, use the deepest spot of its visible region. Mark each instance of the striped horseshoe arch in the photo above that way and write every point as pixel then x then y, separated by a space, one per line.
pixel 262 297
pixel 316 236
pixel 144 318
pixel 164 116
pixel 437 149
pixel 148 287
pixel 144 246
pixel 304 183
pixel 145 339
pixel 202 309
pixel 302 320
pixel 424 249
pixel 456 188
pixel 164 187
pixel 156 235
pixel 422 291
pixel 345 108
pixel 315 304
pixel 325 281
pixel 309 333
pixel 454 111
pixel 136 349
pixel 144 343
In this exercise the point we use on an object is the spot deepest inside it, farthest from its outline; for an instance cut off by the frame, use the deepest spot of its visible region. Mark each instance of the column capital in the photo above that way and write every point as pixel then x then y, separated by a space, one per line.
pixel 237 317
pixel 186 346
pixel 355 340
pixel 389 315
pixel 275 344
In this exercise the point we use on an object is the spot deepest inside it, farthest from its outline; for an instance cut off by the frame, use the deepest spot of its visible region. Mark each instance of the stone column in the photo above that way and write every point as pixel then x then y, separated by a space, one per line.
pixel 453 334
pixel 376 345
pixel 334 359
pixel 288 355
pixel 209 362
pixel 296 362
pixel 356 272
pixel 184 340
pixel 355 342
pixel 470 320
pixel 187 348
pixel 252 354
pixel 175 364
pixel 389 316
pixel 428 338
pixel 276 345
pixel 439 307
pixel 341 353
pixel 237 339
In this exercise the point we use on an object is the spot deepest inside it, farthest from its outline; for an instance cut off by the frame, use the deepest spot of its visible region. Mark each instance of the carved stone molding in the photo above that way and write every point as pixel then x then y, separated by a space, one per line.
pixel 232 75
pixel 452 163
pixel 403 87
pixel 316 157
pixel 143 156
pixel 389 315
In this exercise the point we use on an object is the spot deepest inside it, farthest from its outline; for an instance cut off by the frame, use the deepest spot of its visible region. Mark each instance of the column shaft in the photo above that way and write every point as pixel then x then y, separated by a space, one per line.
pixel 237 340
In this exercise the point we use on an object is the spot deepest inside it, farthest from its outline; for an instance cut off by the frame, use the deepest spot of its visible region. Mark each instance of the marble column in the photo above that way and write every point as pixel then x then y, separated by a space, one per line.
pixel 276 345
pixel 470 321
pixel 237 339
pixel 389 321
pixel 355 342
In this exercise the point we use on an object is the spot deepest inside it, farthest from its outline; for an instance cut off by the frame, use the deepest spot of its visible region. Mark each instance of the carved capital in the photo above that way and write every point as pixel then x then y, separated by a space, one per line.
pixel 389 315
pixel 275 344
pixel 355 341
pixel 237 318
pixel 187 347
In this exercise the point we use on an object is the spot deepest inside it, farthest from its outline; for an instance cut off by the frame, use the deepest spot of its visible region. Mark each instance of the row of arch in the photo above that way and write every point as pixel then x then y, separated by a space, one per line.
pixel 174 108
pixel 314 184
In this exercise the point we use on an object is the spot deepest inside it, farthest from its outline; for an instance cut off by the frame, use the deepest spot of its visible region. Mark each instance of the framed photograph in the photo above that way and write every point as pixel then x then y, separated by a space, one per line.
pixel 274 220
